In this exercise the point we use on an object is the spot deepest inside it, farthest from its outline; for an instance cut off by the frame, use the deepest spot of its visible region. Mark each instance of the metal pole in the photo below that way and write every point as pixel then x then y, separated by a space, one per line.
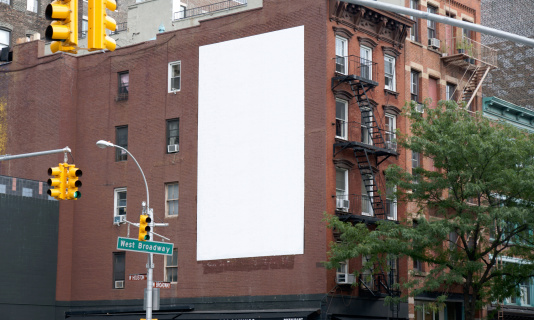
pixel 150 264
pixel 34 154
pixel 441 19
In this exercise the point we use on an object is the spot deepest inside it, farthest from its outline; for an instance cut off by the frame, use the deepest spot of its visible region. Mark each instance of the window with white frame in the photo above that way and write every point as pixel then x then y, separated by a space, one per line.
pixel 85 26
pixel 5 36
pixel 391 203
pixel 173 126
pixel 171 199
pixel 393 273
pixel 367 273
pixel 171 267
pixel 367 195
pixel 342 189
pixel 366 62
pixel 174 76
pixel 391 126
pixel 341 118
pixel 341 55
pixel 120 202
pixel 32 5
pixel 389 72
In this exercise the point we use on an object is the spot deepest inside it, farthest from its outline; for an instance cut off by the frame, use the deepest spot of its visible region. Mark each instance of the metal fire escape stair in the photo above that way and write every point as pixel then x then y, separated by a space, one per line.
pixel 370 182
pixel 362 154
pixel 473 84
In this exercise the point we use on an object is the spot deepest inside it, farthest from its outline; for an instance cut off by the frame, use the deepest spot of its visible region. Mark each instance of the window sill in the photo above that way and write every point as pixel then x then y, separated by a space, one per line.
pixel 416 43
pixel 434 50
pixel 393 93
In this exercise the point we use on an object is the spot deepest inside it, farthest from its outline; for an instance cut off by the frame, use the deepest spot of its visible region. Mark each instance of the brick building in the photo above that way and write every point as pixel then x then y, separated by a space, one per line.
pixel 249 127
pixel 511 81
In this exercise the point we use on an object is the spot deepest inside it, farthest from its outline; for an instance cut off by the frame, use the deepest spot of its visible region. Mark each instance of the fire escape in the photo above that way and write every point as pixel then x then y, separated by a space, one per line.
pixel 475 59
pixel 370 148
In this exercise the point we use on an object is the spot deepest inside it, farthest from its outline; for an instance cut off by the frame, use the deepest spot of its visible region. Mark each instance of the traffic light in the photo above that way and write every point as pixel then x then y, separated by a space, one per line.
pixel 58 182
pixel 73 183
pixel 64 26
pixel 98 23
pixel 144 228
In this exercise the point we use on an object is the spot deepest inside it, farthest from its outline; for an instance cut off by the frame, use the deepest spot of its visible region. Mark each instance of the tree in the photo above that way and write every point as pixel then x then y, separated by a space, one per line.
pixel 473 208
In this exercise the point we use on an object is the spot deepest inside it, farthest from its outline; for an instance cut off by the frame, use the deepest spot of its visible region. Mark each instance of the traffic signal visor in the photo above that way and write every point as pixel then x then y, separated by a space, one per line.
pixel 73 183
pixel 58 182
pixel 64 26
pixel 144 228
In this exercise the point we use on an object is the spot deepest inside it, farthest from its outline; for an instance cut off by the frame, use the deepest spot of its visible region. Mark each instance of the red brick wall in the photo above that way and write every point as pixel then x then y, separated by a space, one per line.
pixel 71 101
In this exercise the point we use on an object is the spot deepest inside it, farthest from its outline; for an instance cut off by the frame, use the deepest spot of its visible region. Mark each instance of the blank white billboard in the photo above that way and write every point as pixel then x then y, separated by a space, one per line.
pixel 250 196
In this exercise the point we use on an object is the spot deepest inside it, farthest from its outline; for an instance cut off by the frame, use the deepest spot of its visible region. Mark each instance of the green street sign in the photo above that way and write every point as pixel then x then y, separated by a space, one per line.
pixel 145 246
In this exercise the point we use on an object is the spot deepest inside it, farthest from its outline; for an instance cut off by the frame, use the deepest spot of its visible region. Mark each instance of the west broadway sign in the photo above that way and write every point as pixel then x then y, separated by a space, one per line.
pixel 144 246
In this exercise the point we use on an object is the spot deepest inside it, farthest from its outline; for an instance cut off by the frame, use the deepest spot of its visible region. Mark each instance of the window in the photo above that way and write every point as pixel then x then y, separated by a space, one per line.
pixel 85 27
pixel 415 160
pixel 171 199
pixel 366 125
pixel 171 267
pixel 391 203
pixel 414 85
pixel 120 202
pixel 342 189
pixel 391 126
pixel 118 269
pixel 124 80
pixel 367 195
pixel 367 273
pixel 393 270
pixel 431 25
pixel 121 138
pixel 5 1
pixel 389 72
pixel 32 5
pixel 341 55
pixel 341 118
pixel 424 312
pixel 366 61
pixel 450 91
pixel 172 135
pixel 174 76
pixel 414 31
pixel 5 36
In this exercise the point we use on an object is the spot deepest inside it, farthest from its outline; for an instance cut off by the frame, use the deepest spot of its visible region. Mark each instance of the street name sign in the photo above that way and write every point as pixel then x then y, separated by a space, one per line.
pixel 162 284
pixel 137 277
pixel 144 246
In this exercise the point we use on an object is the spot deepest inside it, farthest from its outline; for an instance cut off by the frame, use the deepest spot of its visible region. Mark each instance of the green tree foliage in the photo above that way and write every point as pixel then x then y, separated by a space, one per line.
pixel 475 206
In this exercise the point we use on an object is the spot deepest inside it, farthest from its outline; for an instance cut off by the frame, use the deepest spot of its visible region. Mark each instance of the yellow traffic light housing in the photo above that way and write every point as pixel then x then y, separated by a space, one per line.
pixel 144 228
pixel 99 21
pixel 58 182
pixel 64 26
pixel 73 183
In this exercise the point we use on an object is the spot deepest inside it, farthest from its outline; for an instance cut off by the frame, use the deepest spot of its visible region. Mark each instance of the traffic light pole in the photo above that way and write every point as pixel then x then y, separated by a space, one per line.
pixel 146 210
pixel 35 154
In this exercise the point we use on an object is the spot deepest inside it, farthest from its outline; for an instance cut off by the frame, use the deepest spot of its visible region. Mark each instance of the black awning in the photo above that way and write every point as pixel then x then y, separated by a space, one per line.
pixel 197 315
pixel 255 315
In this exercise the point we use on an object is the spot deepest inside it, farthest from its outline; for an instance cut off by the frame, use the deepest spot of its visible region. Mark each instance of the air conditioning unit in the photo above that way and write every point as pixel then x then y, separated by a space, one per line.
pixel 172 148
pixel 342 204
pixel 119 219
pixel 391 145
pixel 419 108
pixel 344 278
pixel 435 43
pixel 119 284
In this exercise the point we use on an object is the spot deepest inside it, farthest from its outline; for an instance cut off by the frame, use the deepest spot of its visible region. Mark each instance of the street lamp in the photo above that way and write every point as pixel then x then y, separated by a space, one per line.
pixel 150 266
